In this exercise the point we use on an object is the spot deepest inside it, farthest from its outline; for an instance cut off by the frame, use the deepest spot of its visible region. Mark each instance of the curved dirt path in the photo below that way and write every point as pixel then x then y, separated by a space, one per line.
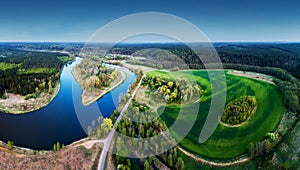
pixel 242 160
pixel 257 76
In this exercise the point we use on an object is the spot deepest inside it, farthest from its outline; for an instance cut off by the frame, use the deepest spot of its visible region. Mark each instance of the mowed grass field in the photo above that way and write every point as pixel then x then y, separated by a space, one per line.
pixel 227 142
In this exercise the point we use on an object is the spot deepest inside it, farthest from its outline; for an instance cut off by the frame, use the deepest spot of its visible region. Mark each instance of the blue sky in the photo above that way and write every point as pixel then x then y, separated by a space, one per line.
pixel 220 20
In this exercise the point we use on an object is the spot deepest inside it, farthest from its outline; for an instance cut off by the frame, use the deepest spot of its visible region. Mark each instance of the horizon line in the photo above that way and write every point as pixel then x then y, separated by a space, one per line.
pixel 154 42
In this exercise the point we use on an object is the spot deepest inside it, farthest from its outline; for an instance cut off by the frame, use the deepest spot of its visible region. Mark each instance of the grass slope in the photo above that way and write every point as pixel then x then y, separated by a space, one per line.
pixel 228 142
pixel 48 71
pixel 4 66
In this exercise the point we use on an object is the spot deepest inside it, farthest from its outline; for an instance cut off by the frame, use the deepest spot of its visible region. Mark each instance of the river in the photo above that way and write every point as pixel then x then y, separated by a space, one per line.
pixel 65 119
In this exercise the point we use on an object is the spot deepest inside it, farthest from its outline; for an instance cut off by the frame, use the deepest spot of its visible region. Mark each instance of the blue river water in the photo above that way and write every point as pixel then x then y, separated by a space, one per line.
pixel 65 119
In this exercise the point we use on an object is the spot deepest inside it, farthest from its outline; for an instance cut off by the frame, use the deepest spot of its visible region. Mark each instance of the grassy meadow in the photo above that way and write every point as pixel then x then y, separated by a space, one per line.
pixel 227 142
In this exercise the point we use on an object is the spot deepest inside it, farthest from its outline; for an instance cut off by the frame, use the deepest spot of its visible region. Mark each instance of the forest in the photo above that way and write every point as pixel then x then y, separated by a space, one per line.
pixel 73 48
pixel 132 125
pixel 280 55
pixel 26 72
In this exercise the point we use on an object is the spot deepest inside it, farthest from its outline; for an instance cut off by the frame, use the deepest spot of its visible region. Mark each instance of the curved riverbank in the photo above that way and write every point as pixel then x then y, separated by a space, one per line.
pixel 60 121
pixel 17 104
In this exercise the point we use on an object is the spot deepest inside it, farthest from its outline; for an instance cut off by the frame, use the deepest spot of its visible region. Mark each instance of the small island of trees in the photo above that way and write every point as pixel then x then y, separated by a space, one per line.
pixel 96 79
pixel 239 110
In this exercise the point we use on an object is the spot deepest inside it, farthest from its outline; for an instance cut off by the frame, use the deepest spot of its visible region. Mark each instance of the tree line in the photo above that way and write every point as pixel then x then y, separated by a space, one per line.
pixel 285 56
pixel 176 91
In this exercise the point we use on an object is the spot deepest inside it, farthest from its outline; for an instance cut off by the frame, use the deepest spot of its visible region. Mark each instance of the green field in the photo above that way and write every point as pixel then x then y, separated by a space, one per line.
pixel 66 59
pixel 228 142
pixel 37 71
pixel 4 66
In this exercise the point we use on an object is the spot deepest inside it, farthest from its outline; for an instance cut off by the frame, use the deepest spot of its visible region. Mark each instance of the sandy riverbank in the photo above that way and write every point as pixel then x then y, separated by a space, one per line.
pixel 81 155
pixel 17 104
